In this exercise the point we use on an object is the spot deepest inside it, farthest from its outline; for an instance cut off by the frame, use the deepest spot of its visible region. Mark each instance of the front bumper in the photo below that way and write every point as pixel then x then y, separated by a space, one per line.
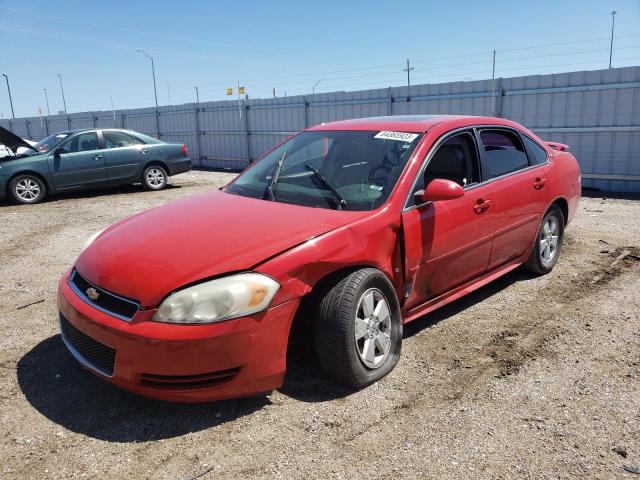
pixel 3 187
pixel 184 363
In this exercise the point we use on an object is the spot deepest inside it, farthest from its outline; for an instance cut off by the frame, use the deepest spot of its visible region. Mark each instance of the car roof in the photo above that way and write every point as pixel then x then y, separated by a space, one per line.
pixel 409 123
pixel 78 130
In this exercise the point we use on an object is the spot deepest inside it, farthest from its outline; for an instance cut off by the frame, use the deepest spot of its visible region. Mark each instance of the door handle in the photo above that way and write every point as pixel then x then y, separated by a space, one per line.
pixel 482 206
pixel 539 183
pixel 144 152
pixel 97 157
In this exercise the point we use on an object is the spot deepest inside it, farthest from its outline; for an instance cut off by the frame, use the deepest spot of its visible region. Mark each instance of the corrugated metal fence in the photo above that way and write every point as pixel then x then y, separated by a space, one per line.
pixel 597 113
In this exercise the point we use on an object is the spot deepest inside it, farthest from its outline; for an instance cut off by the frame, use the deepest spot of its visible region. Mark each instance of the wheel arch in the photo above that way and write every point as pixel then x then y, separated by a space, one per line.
pixel 304 318
pixel 564 207
pixel 157 163
pixel 41 177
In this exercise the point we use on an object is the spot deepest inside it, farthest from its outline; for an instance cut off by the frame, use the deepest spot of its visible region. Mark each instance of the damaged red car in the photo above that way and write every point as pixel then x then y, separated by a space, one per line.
pixel 351 228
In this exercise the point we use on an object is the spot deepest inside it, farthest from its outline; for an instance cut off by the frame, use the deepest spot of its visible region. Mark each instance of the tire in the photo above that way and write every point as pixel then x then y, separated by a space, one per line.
pixel 344 350
pixel 154 177
pixel 548 243
pixel 27 189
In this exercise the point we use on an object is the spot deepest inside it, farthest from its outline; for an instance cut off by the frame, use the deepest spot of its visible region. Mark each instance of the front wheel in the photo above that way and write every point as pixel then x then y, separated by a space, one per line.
pixel 548 243
pixel 358 329
pixel 27 189
pixel 154 177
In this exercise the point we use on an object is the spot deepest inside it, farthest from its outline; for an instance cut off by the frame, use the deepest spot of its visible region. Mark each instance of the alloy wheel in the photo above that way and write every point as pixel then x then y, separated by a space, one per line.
pixel 155 177
pixel 27 189
pixel 549 240
pixel 373 328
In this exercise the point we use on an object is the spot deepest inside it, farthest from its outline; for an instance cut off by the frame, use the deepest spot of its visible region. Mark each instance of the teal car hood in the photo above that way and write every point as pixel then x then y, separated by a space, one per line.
pixel 12 141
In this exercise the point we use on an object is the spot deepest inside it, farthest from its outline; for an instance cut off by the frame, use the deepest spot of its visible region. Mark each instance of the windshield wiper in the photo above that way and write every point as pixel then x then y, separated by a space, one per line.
pixel 341 201
pixel 274 177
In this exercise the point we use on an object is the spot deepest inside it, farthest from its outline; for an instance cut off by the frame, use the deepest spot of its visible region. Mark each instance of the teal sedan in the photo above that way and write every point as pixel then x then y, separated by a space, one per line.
pixel 85 159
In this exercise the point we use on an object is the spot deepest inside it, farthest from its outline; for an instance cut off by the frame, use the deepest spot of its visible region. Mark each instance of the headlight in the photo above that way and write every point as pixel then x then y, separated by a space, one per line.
pixel 217 300
pixel 91 239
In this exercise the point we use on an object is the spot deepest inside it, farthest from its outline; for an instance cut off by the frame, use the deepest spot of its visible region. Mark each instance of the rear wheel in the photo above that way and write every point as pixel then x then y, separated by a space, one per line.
pixel 548 244
pixel 154 177
pixel 358 332
pixel 27 189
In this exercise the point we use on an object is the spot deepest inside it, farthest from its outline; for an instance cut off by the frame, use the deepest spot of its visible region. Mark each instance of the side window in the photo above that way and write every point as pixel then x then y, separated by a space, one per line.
pixel 456 159
pixel 504 152
pixel 114 139
pixel 537 154
pixel 82 142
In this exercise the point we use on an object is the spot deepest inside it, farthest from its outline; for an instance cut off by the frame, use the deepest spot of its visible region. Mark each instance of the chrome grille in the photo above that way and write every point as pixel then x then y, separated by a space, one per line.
pixel 110 303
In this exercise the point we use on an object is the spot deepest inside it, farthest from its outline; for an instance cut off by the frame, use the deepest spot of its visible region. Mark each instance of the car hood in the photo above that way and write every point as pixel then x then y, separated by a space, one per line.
pixel 13 142
pixel 149 255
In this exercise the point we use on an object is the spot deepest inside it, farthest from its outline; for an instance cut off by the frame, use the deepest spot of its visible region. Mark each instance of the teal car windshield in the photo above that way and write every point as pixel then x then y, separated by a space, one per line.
pixel 46 144
pixel 346 170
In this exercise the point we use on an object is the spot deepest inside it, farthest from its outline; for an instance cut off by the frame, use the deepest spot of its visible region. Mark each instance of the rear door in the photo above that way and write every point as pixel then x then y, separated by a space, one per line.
pixel 124 155
pixel 78 163
pixel 448 242
pixel 519 192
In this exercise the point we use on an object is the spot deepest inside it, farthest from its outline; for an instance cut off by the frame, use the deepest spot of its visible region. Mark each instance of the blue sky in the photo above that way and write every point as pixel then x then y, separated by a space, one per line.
pixel 289 46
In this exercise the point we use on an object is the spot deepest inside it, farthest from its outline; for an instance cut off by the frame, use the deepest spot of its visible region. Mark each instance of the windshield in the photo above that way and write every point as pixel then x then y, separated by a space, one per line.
pixel 350 170
pixel 46 144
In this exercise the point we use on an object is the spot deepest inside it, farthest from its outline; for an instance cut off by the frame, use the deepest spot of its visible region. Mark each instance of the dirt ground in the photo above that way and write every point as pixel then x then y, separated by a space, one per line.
pixel 526 378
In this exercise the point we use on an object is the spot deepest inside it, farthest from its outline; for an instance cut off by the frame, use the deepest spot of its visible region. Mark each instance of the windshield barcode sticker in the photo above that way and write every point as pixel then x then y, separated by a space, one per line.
pixel 399 136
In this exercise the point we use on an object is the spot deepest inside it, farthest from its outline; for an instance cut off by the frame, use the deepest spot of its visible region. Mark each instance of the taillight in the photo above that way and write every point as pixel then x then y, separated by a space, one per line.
pixel 185 151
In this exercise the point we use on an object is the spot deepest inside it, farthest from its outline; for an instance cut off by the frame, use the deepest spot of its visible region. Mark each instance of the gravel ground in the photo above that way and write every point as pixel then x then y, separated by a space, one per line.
pixel 528 377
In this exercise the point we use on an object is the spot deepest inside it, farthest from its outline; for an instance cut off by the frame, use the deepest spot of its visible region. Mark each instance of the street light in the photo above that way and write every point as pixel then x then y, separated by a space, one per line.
pixel 153 72
pixel 313 89
pixel 197 95
pixel 46 97
pixel 9 90
pixel 64 102
pixel 613 24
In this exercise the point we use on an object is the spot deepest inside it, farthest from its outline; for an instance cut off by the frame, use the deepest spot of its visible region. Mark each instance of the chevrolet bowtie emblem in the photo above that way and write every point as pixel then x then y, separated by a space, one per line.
pixel 92 293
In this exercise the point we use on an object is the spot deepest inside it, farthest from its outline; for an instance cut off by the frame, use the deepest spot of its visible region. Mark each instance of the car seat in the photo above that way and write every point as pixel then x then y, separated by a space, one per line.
pixel 449 163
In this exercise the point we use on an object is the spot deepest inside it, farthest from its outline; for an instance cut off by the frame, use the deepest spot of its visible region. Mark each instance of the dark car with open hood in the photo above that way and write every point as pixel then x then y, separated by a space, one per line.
pixel 84 159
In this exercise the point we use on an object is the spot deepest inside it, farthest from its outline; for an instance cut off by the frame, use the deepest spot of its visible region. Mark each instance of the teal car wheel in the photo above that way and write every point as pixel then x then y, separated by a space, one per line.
pixel 154 178
pixel 27 189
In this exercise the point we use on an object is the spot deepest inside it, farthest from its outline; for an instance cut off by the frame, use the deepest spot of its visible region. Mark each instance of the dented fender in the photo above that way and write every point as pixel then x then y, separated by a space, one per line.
pixel 375 238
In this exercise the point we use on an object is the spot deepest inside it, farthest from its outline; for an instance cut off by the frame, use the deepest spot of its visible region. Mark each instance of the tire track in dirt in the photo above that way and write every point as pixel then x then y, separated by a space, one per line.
pixel 516 344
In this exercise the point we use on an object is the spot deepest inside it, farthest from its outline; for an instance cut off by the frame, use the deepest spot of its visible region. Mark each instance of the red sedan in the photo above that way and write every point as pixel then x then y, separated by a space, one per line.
pixel 350 229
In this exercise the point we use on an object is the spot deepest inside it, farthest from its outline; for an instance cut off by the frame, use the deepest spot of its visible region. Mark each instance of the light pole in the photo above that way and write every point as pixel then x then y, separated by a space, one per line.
pixel 493 85
pixel 113 111
pixel 9 90
pixel 46 97
pixel 153 72
pixel 64 102
pixel 313 89
pixel 197 95
pixel 613 24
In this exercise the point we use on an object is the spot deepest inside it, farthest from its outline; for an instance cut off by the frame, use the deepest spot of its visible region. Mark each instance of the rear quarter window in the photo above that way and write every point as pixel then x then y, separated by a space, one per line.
pixel 537 154
pixel 116 139
pixel 503 151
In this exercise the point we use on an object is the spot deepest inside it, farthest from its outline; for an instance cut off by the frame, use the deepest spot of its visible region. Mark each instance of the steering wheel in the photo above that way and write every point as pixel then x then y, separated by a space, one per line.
pixel 378 175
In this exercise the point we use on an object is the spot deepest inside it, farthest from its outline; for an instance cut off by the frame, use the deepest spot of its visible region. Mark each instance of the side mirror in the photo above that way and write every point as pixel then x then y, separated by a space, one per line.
pixel 58 151
pixel 439 189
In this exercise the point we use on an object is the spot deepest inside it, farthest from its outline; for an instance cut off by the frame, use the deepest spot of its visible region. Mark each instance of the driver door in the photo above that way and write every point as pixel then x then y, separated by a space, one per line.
pixel 448 242
pixel 78 163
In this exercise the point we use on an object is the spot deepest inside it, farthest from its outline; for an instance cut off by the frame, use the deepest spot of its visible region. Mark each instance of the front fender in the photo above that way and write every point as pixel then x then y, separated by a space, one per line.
pixel 369 242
